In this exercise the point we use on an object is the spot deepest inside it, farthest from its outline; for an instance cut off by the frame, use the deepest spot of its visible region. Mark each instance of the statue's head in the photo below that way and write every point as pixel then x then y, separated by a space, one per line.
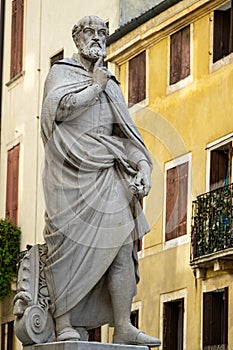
pixel 90 34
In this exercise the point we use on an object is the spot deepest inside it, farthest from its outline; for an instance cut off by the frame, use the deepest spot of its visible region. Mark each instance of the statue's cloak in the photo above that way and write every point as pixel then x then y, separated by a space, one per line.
pixel 90 210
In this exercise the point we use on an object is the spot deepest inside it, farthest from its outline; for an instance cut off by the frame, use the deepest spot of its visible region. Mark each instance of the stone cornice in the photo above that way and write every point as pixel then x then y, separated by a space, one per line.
pixel 159 27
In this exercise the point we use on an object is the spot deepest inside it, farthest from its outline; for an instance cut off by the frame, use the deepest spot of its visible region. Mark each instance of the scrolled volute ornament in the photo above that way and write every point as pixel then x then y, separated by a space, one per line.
pixel 34 323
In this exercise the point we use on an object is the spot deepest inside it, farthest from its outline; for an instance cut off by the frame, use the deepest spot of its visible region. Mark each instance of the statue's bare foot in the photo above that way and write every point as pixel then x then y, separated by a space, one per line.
pixel 68 333
pixel 132 335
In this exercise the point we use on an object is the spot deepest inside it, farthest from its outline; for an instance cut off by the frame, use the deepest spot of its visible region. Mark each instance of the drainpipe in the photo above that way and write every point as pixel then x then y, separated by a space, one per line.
pixel 2 17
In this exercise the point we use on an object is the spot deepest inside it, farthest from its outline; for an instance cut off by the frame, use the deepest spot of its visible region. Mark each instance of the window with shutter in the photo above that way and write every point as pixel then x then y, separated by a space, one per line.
pixel 180 55
pixel 17 37
pixel 173 325
pixel 215 319
pixel 221 166
pixel 137 79
pixel 176 201
pixel 223 31
pixel 12 184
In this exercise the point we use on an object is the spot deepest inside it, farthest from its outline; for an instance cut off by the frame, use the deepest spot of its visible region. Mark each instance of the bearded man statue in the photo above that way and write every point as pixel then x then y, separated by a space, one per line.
pixel 97 168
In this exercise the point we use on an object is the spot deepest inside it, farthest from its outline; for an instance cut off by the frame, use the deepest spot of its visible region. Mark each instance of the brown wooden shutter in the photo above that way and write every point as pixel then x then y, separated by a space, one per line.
pixel 215 318
pixel 173 325
pixel 171 203
pixel 137 79
pixel 17 37
pixel 231 29
pixel 176 201
pixel 12 184
pixel 220 166
pixel 185 66
pixel 180 55
pixel 13 39
pixel 223 33
pixel 167 331
pixel 175 57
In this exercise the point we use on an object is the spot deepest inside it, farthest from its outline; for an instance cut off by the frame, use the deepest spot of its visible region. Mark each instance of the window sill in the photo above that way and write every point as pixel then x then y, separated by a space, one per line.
pixel 138 106
pixel 221 63
pixel 176 242
pixel 15 78
pixel 179 85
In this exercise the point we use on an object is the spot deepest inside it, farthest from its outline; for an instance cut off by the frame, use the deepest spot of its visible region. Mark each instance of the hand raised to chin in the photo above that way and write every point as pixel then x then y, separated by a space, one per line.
pixel 100 74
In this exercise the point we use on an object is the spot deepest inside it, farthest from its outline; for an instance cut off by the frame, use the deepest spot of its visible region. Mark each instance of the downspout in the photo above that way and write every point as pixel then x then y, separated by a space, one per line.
pixel 37 179
pixel 2 22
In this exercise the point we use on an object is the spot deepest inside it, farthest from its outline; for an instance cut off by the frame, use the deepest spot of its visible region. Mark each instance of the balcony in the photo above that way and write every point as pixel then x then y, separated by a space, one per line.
pixel 212 231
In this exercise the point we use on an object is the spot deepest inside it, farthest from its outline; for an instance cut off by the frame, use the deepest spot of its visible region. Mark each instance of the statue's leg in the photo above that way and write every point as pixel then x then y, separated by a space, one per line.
pixel 122 285
pixel 64 330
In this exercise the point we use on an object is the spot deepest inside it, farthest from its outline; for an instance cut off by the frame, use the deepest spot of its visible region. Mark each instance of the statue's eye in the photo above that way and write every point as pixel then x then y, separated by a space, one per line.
pixel 89 31
pixel 102 33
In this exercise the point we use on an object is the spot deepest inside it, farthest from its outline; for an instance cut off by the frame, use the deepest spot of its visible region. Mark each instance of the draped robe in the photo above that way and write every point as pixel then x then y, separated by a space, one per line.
pixel 92 148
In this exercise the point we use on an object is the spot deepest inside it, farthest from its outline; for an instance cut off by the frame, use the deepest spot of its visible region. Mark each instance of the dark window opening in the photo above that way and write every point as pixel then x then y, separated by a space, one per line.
pixel 134 318
pixel 57 57
pixel 7 336
pixel 173 325
pixel 221 166
pixel 215 319
pixel 180 55
pixel 17 37
pixel 176 201
pixel 95 334
pixel 137 79
pixel 223 31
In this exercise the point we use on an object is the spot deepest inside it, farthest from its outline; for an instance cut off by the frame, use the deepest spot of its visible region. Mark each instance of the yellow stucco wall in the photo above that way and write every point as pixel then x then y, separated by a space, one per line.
pixel 174 123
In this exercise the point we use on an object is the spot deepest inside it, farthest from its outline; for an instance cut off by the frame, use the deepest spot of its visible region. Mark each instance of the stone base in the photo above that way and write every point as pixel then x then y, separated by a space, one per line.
pixel 83 345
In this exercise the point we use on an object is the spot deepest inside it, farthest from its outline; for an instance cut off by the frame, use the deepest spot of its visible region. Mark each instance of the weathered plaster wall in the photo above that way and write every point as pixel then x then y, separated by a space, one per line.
pixel 172 124
pixel 130 9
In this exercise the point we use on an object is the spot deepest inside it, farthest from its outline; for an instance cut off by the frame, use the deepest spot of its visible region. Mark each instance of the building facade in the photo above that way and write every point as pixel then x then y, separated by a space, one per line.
pixel 175 63
pixel 35 34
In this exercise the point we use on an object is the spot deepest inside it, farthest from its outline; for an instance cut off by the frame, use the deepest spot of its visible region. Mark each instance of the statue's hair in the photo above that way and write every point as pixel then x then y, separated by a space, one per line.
pixel 77 28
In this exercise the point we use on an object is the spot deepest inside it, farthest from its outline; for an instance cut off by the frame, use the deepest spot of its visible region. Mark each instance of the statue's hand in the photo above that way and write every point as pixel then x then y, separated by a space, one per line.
pixel 100 74
pixel 143 178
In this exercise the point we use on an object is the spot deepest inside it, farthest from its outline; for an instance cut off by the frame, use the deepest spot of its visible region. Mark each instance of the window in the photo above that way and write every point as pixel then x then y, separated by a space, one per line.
pixel 215 323
pixel 95 334
pixel 223 31
pixel 221 166
pixel 173 325
pixel 134 318
pixel 12 184
pixel 137 79
pixel 57 57
pixel 180 55
pixel 176 201
pixel 7 336
pixel 17 38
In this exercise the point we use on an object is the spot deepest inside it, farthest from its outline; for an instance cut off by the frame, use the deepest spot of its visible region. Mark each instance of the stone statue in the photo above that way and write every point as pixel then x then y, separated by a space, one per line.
pixel 97 168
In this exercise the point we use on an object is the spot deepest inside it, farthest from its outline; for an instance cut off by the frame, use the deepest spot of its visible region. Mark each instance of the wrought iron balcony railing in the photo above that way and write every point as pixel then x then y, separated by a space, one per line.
pixel 212 222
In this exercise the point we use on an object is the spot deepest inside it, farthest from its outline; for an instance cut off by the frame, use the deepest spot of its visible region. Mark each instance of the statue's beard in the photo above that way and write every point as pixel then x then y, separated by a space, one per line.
pixel 92 53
